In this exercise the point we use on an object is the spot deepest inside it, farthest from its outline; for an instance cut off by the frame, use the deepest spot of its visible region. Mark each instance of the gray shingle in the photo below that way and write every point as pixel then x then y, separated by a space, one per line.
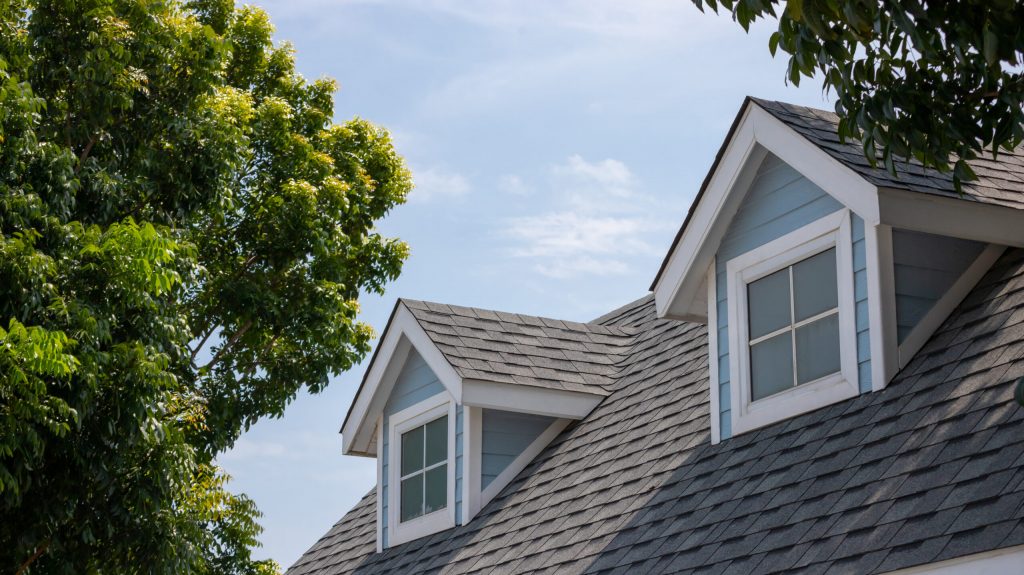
pixel 928 469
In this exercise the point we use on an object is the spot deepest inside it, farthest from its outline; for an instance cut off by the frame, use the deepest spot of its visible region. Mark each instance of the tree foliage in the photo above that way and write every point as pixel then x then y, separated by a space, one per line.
pixel 939 82
pixel 184 235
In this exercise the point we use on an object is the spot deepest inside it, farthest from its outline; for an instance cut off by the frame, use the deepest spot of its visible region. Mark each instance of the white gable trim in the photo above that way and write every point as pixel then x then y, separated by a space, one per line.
pixel 998 562
pixel 529 399
pixel 403 334
pixel 679 290
pixel 941 309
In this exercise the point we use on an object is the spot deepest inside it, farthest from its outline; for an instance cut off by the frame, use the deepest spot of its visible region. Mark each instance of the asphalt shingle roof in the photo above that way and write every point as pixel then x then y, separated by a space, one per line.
pixel 931 468
pixel 523 349
pixel 1000 181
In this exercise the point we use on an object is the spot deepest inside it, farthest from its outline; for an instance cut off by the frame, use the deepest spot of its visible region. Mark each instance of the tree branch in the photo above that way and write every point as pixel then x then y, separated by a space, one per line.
pixel 85 151
pixel 36 555
pixel 249 369
pixel 202 342
pixel 230 343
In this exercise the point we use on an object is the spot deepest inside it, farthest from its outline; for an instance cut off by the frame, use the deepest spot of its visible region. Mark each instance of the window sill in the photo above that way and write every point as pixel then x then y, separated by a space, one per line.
pixel 792 402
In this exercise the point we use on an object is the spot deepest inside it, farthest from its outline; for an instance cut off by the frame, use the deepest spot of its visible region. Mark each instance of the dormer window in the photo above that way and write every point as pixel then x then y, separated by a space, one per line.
pixel 791 309
pixel 421 464
pixel 794 325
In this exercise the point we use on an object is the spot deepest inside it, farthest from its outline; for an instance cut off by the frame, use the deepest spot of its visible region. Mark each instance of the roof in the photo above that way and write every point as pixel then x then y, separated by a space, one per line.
pixel 928 469
pixel 522 349
pixel 1000 180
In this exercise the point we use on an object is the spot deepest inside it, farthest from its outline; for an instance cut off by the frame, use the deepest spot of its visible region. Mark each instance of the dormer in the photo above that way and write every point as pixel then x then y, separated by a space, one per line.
pixel 819 276
pixel 456 402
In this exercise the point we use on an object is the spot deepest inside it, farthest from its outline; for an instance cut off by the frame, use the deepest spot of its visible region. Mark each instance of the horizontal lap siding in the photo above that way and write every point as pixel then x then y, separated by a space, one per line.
pixel 415 383
pixel 925 267
pixel 780 200
pixel 505 436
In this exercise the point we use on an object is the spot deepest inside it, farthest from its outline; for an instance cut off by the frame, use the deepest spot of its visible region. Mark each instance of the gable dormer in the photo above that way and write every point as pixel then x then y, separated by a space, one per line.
pixel 818 275
pixel 456 402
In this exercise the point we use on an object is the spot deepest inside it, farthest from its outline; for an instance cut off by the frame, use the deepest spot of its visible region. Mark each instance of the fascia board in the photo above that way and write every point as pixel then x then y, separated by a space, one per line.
pixel 966 219
pixel 403 333
pixel 529 399
pixel 681 286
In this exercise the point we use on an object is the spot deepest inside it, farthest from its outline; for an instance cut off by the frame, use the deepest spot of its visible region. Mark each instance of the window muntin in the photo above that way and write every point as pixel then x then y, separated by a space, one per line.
pixel 424 469
pixel 794 325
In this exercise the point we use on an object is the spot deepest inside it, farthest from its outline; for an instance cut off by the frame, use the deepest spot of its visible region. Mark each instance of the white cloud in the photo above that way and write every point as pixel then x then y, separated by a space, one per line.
pixel 636 20
pixel 570 268
pixel 606 177
pixel 569 234
pixel 432 184
pixel 512 184
pixel 601 220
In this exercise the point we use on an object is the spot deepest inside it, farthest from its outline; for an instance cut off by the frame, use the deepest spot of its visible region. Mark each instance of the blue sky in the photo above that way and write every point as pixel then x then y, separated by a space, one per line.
pixel 556 146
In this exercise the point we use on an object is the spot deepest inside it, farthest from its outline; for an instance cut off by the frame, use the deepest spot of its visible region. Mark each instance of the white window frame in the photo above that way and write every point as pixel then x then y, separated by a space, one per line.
pixel 828 232
pixel 410 418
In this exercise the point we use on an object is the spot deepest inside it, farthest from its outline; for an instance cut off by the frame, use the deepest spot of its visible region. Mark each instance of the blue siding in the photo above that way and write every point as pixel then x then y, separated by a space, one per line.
pixel 926 266
pixel 505 436
pixel 415 383
pixel 860 294
pixel 780 200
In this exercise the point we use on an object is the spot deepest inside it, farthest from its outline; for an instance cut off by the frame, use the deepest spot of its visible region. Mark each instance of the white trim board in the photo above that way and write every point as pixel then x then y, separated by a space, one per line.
pixel 997 562
pixel 679 289
pixel 712 326
pixel 380 495
pixel 529 399
pixel 941 309
pixel 953 217
pixel 472 444
pixel 881 304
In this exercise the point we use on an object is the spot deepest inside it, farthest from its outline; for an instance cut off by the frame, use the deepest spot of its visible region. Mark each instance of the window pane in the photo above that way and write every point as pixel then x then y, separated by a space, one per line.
pixel 437 488
pixel 412 497
pixel 771 366
pixel 817 349
pixel 437 440
pixel 412 451
pixel 814 285
pixel 768 299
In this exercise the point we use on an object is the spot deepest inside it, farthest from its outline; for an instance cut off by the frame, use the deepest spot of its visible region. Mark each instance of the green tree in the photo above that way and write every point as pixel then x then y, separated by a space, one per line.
pixel 939 82
pixel 184 235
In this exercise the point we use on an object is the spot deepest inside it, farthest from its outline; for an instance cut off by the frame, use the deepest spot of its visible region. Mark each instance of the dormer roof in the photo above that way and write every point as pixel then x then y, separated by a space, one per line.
pixel 989 210
pixel 490 359
pixel 525 350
